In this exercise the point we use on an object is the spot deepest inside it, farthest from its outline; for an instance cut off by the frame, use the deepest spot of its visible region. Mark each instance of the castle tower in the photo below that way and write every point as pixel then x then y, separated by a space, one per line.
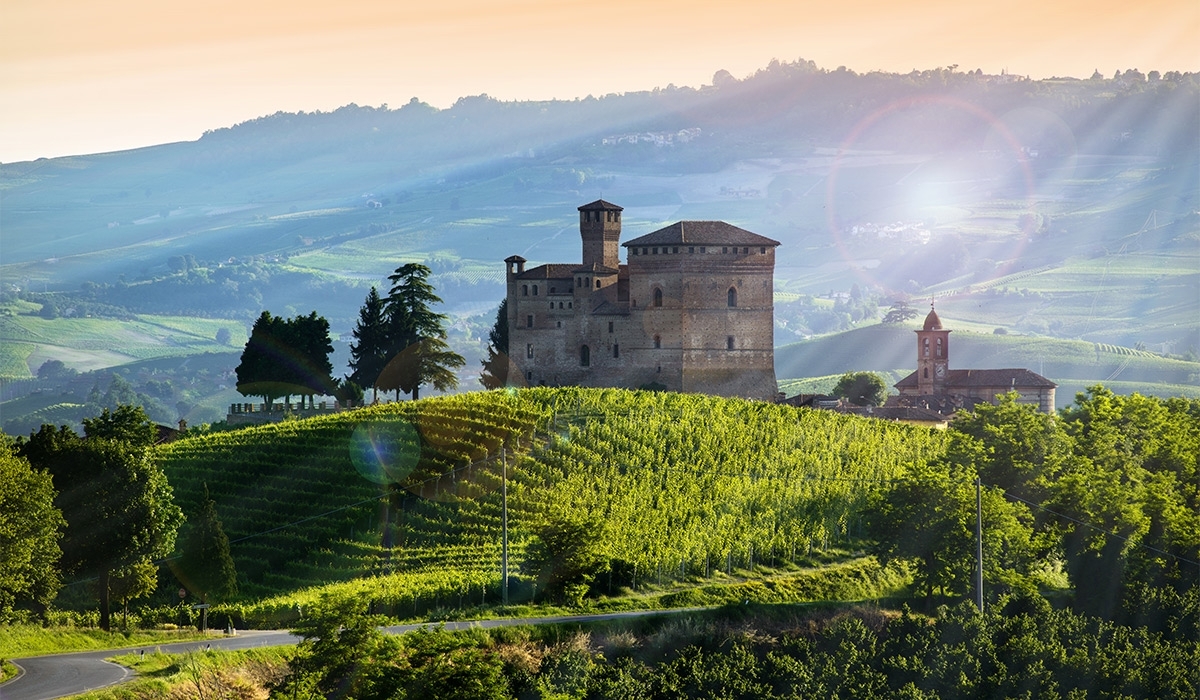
pixel 600 229
pixel 933 355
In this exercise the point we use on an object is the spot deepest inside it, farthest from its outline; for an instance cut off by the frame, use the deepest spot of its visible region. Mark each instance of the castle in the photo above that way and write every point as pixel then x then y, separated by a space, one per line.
pixel 692 310
pixel 937 387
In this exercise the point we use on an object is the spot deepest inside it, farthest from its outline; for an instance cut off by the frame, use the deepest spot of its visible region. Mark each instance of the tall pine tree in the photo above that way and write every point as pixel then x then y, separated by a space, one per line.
pixel 369 351
pixel 497 366
pixel 418 352
pixel 205 567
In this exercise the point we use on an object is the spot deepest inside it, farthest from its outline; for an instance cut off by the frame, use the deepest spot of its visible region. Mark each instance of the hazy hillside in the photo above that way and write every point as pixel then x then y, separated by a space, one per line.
pixel 1062 208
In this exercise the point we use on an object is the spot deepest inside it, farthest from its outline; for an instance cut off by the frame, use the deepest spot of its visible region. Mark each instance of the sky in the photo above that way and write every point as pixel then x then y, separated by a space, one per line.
pixel 91 76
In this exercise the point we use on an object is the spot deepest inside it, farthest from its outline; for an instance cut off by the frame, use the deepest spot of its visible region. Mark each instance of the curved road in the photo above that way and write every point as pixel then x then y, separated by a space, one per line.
pixel 58 675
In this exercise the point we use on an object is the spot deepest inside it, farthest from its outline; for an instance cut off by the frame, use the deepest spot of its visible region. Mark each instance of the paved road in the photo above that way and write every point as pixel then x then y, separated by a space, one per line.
pixel 58 675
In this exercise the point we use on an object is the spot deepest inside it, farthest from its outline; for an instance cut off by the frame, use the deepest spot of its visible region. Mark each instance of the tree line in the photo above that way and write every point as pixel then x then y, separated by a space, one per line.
pixel 399 345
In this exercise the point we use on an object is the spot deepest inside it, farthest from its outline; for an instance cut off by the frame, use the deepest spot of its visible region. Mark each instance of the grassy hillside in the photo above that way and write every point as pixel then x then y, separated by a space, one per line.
pixel 681 485
pixel 882 349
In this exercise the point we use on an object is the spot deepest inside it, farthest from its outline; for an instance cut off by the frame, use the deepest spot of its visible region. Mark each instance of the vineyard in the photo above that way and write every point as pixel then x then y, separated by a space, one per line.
pixel 404 499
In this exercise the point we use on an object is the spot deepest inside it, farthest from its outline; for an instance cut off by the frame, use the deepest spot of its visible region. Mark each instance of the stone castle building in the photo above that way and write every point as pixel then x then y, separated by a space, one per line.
pixel 937 387
pixel 691 310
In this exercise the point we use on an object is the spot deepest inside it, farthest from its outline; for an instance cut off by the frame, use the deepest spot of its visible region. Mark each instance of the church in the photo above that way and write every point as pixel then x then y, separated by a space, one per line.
pixel 937 387
pixel 691 310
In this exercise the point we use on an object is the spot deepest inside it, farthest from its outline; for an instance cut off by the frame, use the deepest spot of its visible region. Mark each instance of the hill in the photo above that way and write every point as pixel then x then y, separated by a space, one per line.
pixel 680 485
pixel 1071 363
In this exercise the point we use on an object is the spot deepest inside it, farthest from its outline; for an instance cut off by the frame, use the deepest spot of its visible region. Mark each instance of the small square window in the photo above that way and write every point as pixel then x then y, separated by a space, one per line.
pixel 725 249
pixel 703 249
pixel 655 250
pixel 745 251
pixel 675 249
pixel 691 249
pixel 763 250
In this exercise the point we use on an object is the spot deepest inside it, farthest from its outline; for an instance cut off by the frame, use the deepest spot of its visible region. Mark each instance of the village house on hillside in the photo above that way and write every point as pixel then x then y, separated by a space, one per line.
pixel 692 310
pixel 936 387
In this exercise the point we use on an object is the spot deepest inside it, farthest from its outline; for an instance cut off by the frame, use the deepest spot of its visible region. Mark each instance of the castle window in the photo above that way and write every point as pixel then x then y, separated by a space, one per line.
pixel 524 290
pixel 560 304
pixel 560 324
pixel 578 282
pixel 703 249
pixel 568 304
pixel 745 251
pixel 529 350
pixel 529 321
pixel 927 373
pixel 655 250
pixel 633 251
pixel 610 326
pixel 763 250
pixel 616 351
pixel 616 216
pixel 529 376
pixel 675 249
pixel 731 297
pixel 729 342
pixel 553 290
pixel 725 249
pixel 925 347
pixel 643 251
pixel 691 249
pixel 657 342
pixel 535 290
pixel 939 347
pixel 657 296
pixel 597 284
pixel 585 356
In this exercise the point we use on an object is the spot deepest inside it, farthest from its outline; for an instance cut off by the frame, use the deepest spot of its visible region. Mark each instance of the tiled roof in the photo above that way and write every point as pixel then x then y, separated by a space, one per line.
pixel 597 268
pixel 601 205
pixel 702 232
pixel 555 271
pixel 964 378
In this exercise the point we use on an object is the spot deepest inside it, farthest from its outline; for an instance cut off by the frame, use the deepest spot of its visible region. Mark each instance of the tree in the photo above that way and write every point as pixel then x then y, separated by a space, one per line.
pixel 861 388
pixel 416 336
pixel 369 353
pixel 900 312
pixel 52 370
pixel 128 424
pixel 30 530
pixel 205 567
pixel 286 357
pixel 497 367
pixel 131 582
pixel 566 556
pixel 117 504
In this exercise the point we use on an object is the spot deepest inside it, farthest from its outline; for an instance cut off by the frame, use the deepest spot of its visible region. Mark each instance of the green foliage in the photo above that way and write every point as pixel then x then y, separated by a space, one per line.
pixel 861 388
pixel 131 582
pixel 497 367
pixel 900 312
pixel 30 529
pixel 416 336
pixel 204 566
pixel 565 557
pixel 285 357
pixel 117 503
pixel 369 351
pixel 128 424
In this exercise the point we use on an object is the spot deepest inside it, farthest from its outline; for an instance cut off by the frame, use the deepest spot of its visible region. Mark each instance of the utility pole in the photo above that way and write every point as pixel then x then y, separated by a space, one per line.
pixel 504 526
pixel 978 545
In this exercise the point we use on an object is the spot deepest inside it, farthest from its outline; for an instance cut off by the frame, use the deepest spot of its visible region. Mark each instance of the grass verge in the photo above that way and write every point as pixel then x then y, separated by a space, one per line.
pixel 201 674
pixel 17 641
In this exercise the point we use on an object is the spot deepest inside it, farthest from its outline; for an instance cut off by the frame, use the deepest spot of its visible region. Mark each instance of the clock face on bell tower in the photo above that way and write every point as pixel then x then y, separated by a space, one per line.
pixel 939 370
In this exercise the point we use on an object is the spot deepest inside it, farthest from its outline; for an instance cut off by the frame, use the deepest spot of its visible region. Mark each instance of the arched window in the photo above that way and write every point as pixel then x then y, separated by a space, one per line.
pixel 585 356
pixel 925 347
pixel 657 341
pixel 524 290
pixel 926 373
pixel 578 282
pixel 731 297
pixel 597 284
pixel 535 290
pixel 939 347
pixel 657 296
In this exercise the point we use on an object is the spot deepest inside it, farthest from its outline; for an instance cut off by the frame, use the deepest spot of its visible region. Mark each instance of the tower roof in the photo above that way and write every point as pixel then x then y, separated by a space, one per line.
pixel 932 322
pixel 601 205
pixel 705 232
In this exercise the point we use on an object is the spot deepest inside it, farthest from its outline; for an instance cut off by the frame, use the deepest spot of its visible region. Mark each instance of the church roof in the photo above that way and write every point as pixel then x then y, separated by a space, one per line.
pixel 932 322
pixel 553 271
pixel 702 232
pixel 971 378
pixel 601 205
pixel 597 269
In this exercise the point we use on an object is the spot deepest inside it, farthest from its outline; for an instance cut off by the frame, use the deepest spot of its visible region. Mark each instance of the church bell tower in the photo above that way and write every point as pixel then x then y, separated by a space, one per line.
pixel 933 355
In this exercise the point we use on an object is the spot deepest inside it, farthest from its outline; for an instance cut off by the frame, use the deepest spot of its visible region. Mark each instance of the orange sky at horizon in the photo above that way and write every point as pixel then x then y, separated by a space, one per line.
pixel 83 76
